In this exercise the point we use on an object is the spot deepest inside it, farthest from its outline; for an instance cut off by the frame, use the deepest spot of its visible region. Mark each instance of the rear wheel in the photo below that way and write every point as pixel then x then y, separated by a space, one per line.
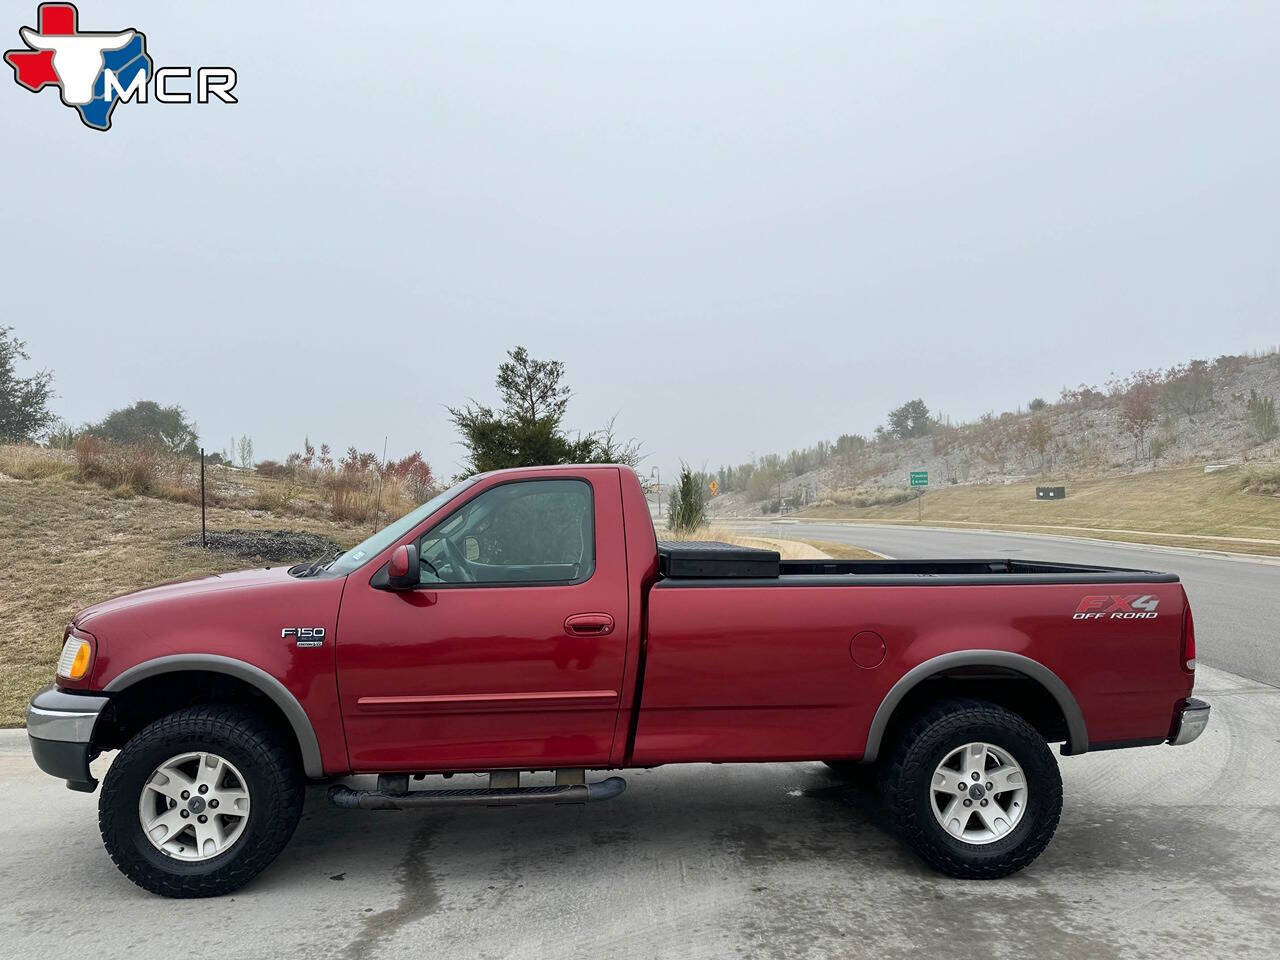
pixel 199 802
pixel 974 790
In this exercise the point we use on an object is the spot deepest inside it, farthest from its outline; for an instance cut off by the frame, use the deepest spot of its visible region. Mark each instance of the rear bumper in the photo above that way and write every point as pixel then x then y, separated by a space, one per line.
pixel 60 731
pixel 1190 722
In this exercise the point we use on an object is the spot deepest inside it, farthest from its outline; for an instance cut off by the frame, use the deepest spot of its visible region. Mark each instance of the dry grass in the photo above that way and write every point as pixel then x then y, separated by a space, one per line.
pixel 787 549
pixel 35 463
pixel 66 545
pixel 1181 507
pixel 868 497
pixel 842 551
pixel 124 470
pixel 1263 480
pixel 345 495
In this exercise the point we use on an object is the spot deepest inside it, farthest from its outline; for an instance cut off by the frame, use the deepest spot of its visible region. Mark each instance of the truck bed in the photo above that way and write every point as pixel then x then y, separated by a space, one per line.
pixel 705 564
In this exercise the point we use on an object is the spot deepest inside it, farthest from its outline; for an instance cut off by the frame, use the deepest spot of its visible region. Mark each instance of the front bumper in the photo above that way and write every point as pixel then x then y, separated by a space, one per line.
pixel 60 731
pixel 1190 723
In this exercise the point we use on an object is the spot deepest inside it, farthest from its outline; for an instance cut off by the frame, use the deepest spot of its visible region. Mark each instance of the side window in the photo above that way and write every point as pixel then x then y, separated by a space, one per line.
pixel 530 531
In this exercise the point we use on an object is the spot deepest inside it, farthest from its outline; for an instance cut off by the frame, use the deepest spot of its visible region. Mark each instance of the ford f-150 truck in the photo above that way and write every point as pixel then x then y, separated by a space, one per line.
pixel 530 621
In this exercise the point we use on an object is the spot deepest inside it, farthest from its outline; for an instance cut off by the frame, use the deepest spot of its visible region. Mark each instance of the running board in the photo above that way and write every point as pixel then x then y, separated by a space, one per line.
pixel 343 796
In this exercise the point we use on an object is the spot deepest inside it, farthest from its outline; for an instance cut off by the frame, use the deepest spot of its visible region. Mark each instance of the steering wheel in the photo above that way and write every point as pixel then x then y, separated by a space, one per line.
pixel 457 561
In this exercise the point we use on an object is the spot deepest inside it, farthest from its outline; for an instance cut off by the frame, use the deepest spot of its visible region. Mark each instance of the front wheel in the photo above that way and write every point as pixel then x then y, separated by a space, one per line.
pixel 974 790
pixel 200 802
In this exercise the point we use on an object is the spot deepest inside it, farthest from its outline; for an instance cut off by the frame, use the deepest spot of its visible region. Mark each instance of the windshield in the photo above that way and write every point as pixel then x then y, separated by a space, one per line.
pixel 353 558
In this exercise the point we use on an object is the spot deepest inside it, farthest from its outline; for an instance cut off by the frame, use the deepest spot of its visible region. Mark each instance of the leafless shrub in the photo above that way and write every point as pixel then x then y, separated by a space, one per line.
pixel 273 469
pixel 1189 389
pixel 1083 397
pixel 419 481
pixel 1138 413
pixel 1260 412
pixel 871 497
pixel 1263 479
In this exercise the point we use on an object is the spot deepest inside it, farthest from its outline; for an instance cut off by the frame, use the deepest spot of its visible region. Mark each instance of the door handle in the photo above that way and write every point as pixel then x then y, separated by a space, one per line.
pixel 589 624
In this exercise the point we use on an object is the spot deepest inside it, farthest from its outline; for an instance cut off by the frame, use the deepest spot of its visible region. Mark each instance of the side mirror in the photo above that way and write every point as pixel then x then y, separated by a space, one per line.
pixel 402 571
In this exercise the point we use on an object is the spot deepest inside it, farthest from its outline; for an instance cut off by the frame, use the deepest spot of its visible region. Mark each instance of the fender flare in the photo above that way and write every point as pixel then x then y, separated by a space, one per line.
pixel 263 682
pixel 1077 734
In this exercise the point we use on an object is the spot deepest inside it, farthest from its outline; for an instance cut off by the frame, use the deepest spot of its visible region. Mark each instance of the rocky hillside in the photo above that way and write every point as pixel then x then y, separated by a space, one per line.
pixel 1220 411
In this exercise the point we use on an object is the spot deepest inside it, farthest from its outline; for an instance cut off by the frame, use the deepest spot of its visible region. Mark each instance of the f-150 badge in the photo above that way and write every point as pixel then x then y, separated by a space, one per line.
pixel 307 636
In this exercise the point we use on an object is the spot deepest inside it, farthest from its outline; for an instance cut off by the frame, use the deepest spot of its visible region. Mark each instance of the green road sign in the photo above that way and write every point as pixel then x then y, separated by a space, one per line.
pixel 919 478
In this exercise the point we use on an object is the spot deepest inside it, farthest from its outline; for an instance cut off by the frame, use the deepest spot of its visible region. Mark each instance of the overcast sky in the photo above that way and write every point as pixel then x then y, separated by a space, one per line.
pixel 743 228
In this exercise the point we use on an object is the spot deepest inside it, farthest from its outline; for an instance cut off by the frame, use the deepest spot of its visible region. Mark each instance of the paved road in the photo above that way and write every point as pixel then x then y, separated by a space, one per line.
pixel 1236 601
pixel 1162 853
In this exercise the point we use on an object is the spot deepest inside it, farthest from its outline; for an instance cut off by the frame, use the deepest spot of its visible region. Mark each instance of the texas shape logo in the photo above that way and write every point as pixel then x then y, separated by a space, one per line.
pixel 80 63
pixel 97 70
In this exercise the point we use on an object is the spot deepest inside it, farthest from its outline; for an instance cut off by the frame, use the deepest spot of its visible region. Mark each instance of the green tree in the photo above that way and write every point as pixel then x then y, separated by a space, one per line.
pixel 148 424
pixel 527 429
pixel 910 420
pixel 849 446
pixel 688 505
pixel 24 401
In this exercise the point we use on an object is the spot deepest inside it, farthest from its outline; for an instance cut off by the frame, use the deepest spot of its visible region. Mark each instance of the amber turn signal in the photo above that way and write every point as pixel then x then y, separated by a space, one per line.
pixel 74 662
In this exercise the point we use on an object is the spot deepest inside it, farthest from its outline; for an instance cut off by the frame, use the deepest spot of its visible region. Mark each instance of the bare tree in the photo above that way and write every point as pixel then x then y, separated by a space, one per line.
pixel 1189 389
pixel 1138 415
pixel 245 450
pixel 1038 436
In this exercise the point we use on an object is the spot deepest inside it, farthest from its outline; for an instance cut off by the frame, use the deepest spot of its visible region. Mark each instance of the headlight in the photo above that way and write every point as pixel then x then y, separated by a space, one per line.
pixel 74 662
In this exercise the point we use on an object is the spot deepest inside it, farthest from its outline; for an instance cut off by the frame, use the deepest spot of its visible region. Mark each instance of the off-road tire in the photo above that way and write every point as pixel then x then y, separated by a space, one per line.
pixel 275 786
pixel 909 777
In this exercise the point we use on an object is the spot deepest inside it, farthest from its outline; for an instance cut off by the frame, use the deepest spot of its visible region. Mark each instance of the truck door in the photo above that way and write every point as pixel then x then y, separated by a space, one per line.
pixel 510 652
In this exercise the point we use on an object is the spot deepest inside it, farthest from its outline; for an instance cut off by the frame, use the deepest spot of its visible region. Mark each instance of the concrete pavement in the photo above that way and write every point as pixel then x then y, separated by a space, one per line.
pixel 1236 599
pixel 1162 852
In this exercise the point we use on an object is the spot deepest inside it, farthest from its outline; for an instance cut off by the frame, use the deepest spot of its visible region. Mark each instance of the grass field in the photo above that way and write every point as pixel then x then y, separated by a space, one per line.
pixel 1182 507
pixel 67 545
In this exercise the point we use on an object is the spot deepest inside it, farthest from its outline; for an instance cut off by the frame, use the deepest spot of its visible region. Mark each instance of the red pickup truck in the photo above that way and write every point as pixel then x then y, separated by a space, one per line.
pixel 529 621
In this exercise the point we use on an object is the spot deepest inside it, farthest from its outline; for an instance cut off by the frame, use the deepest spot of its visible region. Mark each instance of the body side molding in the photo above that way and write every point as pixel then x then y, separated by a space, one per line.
pixel 277 692
pixel 1077 735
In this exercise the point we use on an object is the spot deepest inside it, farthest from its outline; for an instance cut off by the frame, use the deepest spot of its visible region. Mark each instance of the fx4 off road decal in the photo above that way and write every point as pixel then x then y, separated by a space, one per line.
pixel 1138 606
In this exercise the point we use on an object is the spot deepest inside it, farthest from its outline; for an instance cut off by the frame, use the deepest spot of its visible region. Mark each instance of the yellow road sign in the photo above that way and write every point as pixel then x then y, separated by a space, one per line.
pixel 715 487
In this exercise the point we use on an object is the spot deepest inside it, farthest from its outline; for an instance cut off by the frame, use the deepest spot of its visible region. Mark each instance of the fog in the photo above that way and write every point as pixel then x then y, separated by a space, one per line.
pixel 743 228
